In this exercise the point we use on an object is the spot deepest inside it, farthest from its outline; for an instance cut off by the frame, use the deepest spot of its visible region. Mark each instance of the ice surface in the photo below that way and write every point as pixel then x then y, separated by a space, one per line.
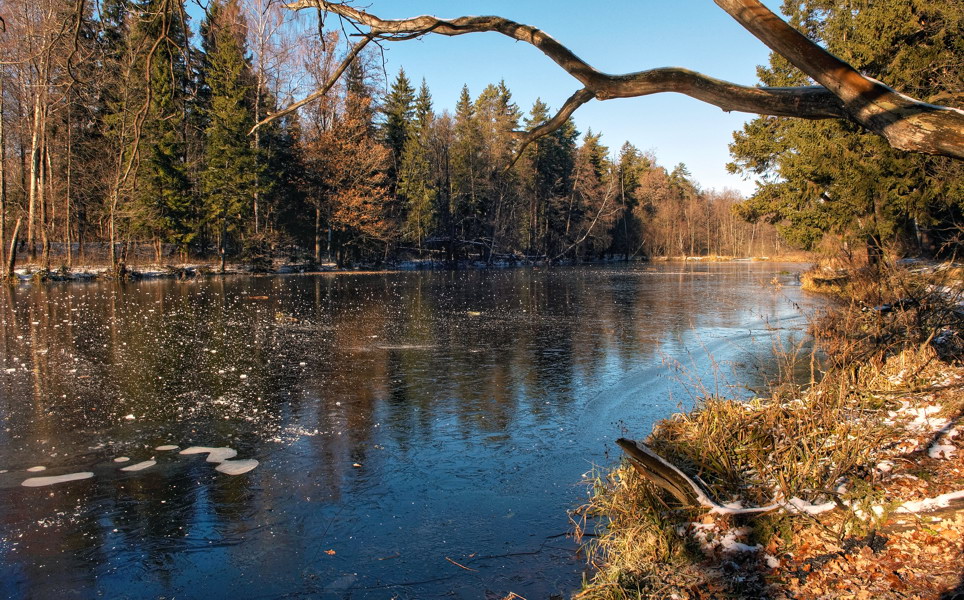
pixel 51 480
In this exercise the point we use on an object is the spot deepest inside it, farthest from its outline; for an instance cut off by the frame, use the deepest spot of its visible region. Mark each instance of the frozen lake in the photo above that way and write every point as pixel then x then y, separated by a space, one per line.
pixel 350 436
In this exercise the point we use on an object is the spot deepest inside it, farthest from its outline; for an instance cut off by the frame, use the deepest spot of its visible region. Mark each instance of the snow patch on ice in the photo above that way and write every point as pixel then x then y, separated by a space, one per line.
pixel 215 455
pixel 236 467
pixel 51 480
pixel 140 466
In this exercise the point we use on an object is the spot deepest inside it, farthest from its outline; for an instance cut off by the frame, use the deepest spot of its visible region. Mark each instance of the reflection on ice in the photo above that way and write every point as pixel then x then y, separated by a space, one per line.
pixel 474 400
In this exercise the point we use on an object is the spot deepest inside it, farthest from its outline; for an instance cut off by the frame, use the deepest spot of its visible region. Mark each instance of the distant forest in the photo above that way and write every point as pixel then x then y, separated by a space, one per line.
pixel 126 134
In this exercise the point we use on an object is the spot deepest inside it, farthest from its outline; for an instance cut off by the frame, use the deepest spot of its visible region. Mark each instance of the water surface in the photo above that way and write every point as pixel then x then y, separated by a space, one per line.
pixel 418 435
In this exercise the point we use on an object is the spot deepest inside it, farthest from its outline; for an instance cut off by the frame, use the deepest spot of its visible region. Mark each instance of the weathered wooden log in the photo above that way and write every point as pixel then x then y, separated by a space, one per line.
pixel 689 492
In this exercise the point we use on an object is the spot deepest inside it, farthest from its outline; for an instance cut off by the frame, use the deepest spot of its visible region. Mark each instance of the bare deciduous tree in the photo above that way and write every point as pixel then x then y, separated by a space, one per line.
pixel 842 93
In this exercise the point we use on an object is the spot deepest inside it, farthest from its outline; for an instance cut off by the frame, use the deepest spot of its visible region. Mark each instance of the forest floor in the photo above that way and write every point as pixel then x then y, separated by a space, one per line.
pixel 863 468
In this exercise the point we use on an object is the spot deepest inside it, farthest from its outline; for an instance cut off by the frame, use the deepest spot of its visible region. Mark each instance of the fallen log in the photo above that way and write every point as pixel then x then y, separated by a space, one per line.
pixel 692 495
pixel 685 489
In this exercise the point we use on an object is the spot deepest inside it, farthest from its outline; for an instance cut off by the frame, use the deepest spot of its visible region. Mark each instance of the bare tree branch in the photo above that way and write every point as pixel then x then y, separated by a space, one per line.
pixel 527 137
pixel 356 49
pixel 906 123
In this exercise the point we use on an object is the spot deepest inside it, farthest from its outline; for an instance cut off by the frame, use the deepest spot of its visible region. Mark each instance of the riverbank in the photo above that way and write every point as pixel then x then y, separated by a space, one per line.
pixel 192 270
pixel 858 474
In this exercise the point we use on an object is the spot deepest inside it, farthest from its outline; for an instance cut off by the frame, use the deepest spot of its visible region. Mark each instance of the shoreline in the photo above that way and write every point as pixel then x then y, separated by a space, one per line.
pixel 198 270
pixel 849 486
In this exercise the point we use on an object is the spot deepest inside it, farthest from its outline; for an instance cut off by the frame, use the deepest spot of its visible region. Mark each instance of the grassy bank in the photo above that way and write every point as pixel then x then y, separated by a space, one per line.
pixel 859 465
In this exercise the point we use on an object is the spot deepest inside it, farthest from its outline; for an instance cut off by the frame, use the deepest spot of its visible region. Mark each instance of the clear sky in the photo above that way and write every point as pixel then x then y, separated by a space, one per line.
pixel 615 36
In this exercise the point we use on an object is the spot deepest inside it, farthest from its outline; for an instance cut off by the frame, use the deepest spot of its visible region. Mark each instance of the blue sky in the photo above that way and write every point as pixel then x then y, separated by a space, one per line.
pixel 614 36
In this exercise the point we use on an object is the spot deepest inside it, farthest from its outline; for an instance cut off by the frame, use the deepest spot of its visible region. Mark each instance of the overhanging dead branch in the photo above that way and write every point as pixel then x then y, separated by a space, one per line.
pixel 905 122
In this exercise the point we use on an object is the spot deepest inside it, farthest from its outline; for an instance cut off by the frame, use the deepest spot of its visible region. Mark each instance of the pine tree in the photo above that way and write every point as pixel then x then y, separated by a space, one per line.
pixel 231 168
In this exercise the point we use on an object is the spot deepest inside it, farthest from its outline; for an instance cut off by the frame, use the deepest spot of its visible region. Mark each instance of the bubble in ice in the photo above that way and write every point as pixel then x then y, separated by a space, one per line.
pixel 121 459
pixel 166 447
pixel 37 469
pixel 51 480
pixel 140 466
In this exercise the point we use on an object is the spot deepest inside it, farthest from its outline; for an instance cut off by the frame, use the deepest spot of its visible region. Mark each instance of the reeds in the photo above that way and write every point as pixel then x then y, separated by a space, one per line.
pixel 803 440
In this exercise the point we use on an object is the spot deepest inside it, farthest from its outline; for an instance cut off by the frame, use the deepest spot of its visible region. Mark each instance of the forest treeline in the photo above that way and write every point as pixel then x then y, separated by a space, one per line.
pixel 125 129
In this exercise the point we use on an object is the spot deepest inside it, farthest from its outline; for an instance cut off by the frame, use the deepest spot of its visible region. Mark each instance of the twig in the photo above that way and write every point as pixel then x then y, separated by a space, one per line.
pixel 461 566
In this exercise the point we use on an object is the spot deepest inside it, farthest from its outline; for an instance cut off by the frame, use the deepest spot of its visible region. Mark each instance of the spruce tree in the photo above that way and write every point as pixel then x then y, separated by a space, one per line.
pixel 552 158
pixel 415 182
pixel 231 169
pixel 398 109
pixel 830 176
pixel 164 204
pixel 627 230
pixel 467 175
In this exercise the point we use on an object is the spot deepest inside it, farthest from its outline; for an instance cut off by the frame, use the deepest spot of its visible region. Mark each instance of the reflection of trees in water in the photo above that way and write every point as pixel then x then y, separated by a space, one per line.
pixel 413 361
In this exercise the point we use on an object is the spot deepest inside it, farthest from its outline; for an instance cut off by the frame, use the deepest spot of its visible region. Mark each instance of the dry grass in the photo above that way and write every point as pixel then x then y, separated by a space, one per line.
pixel 801 441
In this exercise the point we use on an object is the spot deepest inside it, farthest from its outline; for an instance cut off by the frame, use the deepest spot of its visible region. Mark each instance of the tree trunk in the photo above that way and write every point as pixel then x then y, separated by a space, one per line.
pixel 68 242
pixel 3 181
pixel 12 256
pixel 34 188
pixel 318 236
